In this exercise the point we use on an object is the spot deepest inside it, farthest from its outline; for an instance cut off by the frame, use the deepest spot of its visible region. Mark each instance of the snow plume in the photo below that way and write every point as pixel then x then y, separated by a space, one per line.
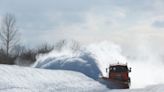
pixel 106 53
pixel 69 56
pixel 147 66
pixel 91 60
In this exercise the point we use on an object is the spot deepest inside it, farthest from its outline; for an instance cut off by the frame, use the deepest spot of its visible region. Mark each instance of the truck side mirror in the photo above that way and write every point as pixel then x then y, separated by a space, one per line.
pixel 130 69
pixel 106 70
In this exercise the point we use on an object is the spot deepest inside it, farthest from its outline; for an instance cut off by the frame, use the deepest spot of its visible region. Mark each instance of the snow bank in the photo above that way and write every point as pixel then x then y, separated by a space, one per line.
pixel 20 79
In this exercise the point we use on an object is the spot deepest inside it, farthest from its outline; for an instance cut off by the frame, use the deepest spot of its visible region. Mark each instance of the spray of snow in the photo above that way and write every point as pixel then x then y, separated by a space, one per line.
pixel 106 53
pixel 91 60
pixel 69 58
pixel 147 68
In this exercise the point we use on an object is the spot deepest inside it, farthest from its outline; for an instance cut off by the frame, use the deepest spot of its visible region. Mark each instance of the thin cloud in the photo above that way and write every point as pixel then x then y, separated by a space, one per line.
pixel 84 20
pixel 158 24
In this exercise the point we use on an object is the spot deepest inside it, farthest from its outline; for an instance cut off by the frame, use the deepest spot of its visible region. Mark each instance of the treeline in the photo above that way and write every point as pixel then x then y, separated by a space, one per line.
pixel 11 51
pixel 21 55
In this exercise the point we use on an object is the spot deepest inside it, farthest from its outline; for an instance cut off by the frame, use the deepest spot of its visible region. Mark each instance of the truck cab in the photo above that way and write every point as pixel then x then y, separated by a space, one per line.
pixel 118 76
pixel 119 72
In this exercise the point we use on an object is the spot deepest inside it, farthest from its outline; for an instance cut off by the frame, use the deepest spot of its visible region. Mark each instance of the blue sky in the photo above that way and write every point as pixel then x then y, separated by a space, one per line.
pixel 86 21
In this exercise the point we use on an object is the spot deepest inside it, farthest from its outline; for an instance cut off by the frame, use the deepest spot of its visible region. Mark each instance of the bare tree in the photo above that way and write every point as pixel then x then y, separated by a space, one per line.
pixel 18 50
pixel 45 48
pixel 8 33
pixel 71 44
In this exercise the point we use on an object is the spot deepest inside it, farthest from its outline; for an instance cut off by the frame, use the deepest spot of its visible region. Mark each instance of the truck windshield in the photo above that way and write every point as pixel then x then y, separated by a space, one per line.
pixel 118 69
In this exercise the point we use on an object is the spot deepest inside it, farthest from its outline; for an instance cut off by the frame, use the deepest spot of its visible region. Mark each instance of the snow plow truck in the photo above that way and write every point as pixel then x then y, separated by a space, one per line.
pixel 118 76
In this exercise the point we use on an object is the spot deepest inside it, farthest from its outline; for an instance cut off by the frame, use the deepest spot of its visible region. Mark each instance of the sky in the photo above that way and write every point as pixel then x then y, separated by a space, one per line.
pixel 87 21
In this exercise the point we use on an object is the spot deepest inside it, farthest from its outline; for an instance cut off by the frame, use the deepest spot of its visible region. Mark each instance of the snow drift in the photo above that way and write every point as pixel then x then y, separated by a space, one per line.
pixel 21 79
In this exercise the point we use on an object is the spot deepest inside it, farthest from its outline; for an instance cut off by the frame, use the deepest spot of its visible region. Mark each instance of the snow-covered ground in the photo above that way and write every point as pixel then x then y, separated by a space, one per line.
pixel 153 88
pixel 23 79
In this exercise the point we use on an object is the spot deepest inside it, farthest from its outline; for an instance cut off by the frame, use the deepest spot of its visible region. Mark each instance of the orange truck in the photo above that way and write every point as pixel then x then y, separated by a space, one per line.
pixel 118 76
